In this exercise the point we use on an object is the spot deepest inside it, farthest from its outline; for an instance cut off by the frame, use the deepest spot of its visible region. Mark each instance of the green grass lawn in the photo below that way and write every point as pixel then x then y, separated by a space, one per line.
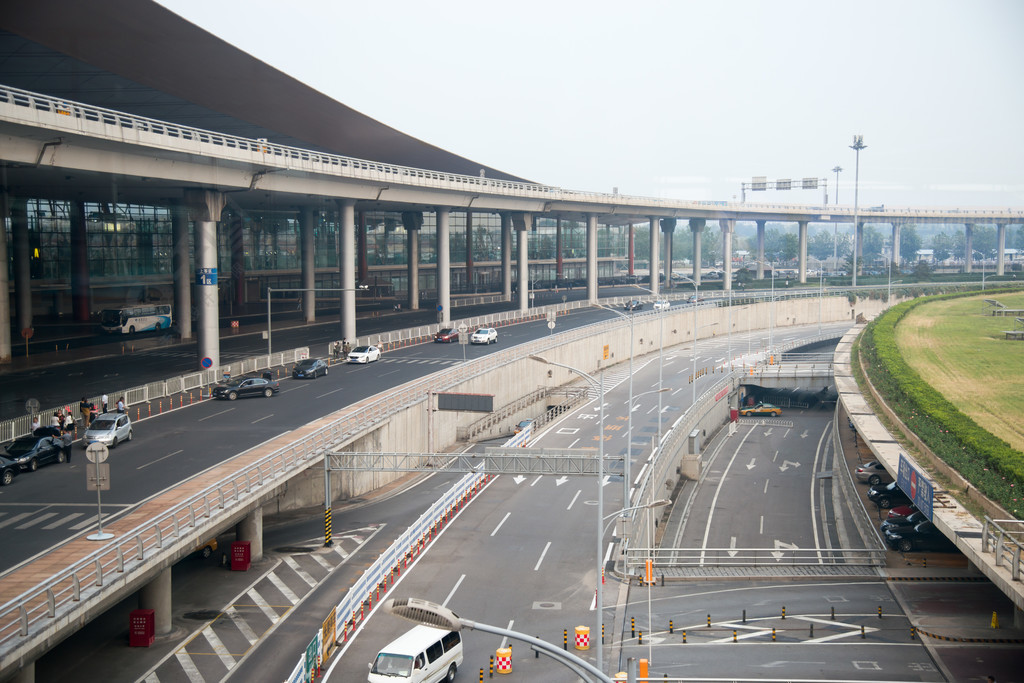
pixel 958 347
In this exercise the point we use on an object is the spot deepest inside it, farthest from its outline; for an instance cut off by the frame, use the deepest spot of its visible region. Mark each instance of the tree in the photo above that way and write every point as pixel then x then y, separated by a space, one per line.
pixel 922 271
pixel 910 242
pixel 780 245
pixel 873 243
pixel 819 244
pixel 945 245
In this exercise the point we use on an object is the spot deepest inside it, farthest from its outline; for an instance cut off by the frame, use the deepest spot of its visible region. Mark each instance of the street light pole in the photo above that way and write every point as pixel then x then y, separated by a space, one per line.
pixel 857 146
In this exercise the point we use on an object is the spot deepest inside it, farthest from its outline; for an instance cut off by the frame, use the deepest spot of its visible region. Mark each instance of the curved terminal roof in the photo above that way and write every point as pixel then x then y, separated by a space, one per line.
pixel 138 57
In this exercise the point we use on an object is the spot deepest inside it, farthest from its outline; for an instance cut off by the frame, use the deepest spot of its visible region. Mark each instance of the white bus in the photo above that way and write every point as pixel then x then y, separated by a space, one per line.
pixel 133 319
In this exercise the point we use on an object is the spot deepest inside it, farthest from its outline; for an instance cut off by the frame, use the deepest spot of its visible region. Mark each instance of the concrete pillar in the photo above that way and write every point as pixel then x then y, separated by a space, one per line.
pixel 26 674
pixel 697 227
pixel 591 258
pixel 760 249
pixel 896 260
pixel 347 267
pixel 413 221
pixel 506 256
pixel 206 207
pixel 22 264
pixel 968 247
pixel 181 267
pixel 251 529
pixel 1000 248
pixel 558 248
pixel 363 272
pixel 469 251
pixel 444 282
pixel 156 595
pixel 80 288
pixel 307 228
pixel 236 238
pixel 728 226
pixel 655 267
pixel 802 251
pixel 668 229
pixel 631 249
pixel 5 285
pixel 522 223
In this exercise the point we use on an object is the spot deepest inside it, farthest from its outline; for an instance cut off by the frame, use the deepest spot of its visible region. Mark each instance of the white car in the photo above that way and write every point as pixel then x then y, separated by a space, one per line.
pixel 109 429
pixel 364 354
pixel 661 304
pixel 485 335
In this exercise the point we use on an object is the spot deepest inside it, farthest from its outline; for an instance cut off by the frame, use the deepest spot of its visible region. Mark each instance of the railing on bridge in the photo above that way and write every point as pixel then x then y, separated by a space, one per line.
pixel 1004 538
pixel 675 558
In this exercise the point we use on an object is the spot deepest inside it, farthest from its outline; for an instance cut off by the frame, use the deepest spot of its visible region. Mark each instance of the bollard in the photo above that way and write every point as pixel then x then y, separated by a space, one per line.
pixel 670 626
pixel 491 660
pixel 783 611
pixel 709 621
pixel 744 616
pixel 734 636
pixel 862 635
pixel 913 633
pixel 565 639
pixel 640 638
pixel 481 676
pixel 879 611
pixel 602 632
pixel 773 634
pixel 684 637
pixel 632 627
pixel 812 631
pixel 833 614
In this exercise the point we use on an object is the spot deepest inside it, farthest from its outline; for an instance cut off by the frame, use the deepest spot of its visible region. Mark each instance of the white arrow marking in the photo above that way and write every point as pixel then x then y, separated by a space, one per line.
pixel 786 465
pixel 606 480
pixel 561 480
pixel 803 435
pixel 777 553
pixel 769 432
pixel 732 544
pixel 751 465
pixel 519 479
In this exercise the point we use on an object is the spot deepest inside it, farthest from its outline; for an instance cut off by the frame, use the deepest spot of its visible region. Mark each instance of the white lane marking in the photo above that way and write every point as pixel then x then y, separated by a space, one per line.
pixel 504 640
pixel 15 518
pixel 541 558
pixel 573 501
pixel 322 562
pixel 539 477
pixel 63 520
pixel 452 593
pixel 88 522
pixel 260 419
pixel 302 573
pixel 189 667
pixel 331 392
pixel 608 553
pixel 37 520
pixel 158 460
pixel 341 551
pixel 285 591
pixel 574 443
pixel 761 528
pixel 218 647
pixel 500 523
pixel 258 600
pixel 241 624
pixel 215 414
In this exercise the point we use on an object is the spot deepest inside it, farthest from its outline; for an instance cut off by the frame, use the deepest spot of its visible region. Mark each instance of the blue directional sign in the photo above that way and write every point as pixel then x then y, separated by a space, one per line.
pixel 916 485
pixel 206 276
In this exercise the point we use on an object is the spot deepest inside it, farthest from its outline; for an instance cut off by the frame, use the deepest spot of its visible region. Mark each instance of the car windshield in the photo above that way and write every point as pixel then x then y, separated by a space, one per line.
pixel 361 349
pixel 306 364
pixel 445 331
pixel 21 447
pixel 101 425
pixel 392 665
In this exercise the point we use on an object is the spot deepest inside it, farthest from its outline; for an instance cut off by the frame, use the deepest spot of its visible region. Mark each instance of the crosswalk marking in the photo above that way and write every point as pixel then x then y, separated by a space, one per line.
pixel 218 647
pixel 302 573
pixel 15 519
pixel 63 520
pixel 39 518
pixel 321 561
pixel 189 667
pixel 279 585
pixel 241 624
pixel 264 607
pixel 86 523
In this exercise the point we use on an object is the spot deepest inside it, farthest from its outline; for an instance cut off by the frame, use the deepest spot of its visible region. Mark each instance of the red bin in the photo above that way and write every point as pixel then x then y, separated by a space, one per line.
pixel 240 556
pixel 141 628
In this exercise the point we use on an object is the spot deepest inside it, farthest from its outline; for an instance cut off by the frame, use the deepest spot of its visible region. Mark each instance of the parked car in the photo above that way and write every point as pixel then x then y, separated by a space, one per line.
pixel 364 354
pixel 447 335
pixel 924 536
pixel 873 473
pixel 8 470
pixel 523 424
pixel 661 304
pixel 761 409
pixel 108 429
pixel 634 305
pixel 246 386
pixel 901 524
pixel 310 367
pixel 887 495
pixel 29 452
pixel 485 335
pixel 902 510
pixel 206 548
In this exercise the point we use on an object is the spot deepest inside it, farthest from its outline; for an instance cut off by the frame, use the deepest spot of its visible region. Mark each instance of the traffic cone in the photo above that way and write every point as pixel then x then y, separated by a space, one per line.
pixel 995 620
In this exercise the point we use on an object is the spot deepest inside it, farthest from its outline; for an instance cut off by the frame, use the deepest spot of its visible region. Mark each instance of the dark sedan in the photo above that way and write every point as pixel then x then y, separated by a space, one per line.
pixel 29 452
pixel 447 335
pixel 8 470
pixel 309 368
pixel 249 386
pixel 924 536
pixel 633 305
pixel 887 495
pixel 901 524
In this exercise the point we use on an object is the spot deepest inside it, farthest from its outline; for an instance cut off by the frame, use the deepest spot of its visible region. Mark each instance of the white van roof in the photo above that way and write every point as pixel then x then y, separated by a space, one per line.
pixel 415 640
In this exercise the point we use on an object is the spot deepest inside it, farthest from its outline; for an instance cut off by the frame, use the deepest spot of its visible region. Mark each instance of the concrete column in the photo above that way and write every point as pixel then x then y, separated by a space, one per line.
pixel 591 258
pixel 5 285
pixel 413 221
pixel 802 252
pixel 469 250
pixel 444 282
pixel 522 223
pixel 654 265
pixel 26 674
pixel 251 529
pixel 760 249
pixel 728 226
pixel 181 267
pixel 968 247
pixel 631 249
pixel 80 288
pixel 22 264
pixel 206 207
pixel 558 248
pixel 307 227
pixel 668 229
pixel 697 227
pixel 156 595
pixel 1000 248
pixel 347 267
pixel 236 238
pixel 506 256
pixel 895 260
pixel 363 272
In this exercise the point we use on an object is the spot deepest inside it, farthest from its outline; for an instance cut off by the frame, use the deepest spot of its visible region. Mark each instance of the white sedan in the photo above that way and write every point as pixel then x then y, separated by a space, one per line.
pixel 661 304
pixel 364 354
pixel 485 335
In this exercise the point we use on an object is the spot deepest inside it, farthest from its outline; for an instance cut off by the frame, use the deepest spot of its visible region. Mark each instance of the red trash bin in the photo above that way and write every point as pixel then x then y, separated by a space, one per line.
pixel 141 628
pixel 241 555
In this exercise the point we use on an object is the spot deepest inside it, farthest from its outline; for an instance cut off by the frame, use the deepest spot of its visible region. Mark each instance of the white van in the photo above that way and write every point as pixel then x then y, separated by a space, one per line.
pixel 423 655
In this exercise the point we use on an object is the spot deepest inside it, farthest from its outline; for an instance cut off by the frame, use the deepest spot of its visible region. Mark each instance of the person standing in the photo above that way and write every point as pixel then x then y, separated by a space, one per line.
pixel 120 405
pixel 35 424
pixel 85 408
pixel 66 441
pixel 103 403
pixel 57 420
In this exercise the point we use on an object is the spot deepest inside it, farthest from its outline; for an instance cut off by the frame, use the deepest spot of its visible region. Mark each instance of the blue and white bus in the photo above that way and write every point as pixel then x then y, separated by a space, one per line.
pixel 133 319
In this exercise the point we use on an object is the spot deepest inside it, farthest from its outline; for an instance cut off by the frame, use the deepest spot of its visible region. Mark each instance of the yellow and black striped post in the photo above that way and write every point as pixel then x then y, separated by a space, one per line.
pixel 327 528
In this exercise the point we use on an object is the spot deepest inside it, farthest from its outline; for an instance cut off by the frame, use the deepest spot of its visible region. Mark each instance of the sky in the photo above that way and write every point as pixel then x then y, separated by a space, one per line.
pixel 676 99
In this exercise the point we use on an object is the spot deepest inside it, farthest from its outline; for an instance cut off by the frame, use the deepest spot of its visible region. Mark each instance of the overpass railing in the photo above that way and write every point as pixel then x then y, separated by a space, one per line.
pixel 1004 538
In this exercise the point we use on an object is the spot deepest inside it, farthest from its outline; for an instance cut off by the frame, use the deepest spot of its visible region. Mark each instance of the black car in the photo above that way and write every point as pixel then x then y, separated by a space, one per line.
pixel 447 335
pixel 311 367
pixel 887 495
pixel 924 536
pixel 901 524
pixel 634 305
pixel 247 386
pixel 29 452
pixel 8 470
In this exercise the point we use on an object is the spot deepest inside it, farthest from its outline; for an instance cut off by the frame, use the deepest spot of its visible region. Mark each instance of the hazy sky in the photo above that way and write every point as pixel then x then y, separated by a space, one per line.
pixel 676 99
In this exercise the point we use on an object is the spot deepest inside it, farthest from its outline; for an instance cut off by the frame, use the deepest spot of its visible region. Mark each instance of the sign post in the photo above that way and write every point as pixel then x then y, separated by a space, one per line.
pixel 463 339
pixel 98 479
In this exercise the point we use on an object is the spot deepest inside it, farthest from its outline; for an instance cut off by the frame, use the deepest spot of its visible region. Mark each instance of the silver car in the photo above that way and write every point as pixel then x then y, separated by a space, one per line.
pixel 109 429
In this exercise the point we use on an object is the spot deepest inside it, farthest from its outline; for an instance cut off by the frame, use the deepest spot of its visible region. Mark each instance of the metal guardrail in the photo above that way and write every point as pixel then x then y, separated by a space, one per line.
pixel 669 558
pixel 1004 538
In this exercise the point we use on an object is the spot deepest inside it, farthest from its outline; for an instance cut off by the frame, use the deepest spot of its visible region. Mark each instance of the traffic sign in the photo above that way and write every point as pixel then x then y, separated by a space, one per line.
pixel 27 332
pixel 32 406
pixel 551 325
pixel 440 308
pixel 98 478
pixel 96 452
pixel 206 362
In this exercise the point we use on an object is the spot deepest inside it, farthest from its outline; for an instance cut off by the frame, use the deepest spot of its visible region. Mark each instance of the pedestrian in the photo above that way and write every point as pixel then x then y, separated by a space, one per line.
pixel 69 420
pixel 120 405
pixel 35 424
pixel 85 408
pixel 66 441
pixel 57 420
pixel 103 403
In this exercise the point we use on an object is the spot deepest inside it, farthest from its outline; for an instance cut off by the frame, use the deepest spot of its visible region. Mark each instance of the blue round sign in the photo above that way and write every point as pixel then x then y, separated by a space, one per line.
pixel 206 362
pixel 440 308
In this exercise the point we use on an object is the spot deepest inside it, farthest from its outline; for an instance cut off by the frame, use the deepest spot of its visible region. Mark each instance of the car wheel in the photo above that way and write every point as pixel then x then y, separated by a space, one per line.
pixel 874 480
pixel 268 392
pixel 8 478
pixel 451 673
pixel 33 465
pixel 206 552
pixel 325 372
pixel 130 434
pixel 60 457
pixel 232 395
pixel 113 444
pixel 156 327
pixel 884 503
pixel 905 545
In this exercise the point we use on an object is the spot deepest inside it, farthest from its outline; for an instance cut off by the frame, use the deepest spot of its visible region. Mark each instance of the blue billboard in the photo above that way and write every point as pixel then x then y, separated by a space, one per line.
pixel 916 485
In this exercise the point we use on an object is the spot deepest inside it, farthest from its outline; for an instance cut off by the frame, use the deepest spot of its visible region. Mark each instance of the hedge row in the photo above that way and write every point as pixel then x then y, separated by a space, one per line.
pixel 985 460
